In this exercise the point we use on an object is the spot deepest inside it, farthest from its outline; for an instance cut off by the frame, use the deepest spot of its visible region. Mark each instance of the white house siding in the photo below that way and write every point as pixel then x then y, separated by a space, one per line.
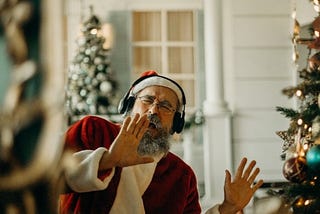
pixel 258 66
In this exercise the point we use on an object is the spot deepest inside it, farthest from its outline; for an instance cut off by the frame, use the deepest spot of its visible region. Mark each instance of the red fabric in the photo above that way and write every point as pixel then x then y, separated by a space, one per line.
pixel 173 188
pixel 91 133
pixel 149 73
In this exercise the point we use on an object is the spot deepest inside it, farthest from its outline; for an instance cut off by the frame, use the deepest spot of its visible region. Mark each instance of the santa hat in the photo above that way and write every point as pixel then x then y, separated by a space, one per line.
pixel 152 78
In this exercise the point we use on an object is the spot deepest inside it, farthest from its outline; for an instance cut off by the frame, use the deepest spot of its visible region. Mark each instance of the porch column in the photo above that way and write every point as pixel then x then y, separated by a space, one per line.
pixel 217 128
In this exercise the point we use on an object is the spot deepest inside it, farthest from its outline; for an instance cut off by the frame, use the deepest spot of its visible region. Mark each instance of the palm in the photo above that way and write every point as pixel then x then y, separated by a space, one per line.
pixel 124 148
pixel 237 193
pixel 239 198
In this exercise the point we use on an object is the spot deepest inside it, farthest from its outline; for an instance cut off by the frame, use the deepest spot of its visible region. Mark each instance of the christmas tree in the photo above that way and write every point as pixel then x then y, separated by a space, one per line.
pixel 301 141
pixel 91 88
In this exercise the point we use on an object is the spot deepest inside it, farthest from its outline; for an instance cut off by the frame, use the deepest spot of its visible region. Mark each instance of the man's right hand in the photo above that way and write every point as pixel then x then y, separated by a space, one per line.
pixel 124 149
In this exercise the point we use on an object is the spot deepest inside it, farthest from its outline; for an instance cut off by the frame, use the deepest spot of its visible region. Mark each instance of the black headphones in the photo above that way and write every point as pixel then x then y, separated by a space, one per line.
pixel 127 102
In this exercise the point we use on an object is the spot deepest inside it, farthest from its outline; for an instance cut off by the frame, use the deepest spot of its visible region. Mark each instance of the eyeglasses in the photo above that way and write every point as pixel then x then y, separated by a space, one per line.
pixel 164 107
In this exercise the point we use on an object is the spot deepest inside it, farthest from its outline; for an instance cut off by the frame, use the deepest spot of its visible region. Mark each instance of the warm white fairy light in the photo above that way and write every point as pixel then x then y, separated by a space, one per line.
pixel 300 122
pixel 294 10
pixel 94 31
pixel 298 93
pixel 295 57
pixel 316 33
pixel 294 14
pixel 307 202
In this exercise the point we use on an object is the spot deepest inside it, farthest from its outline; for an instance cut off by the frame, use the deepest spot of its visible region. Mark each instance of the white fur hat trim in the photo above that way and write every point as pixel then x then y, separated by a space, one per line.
pixel 158 81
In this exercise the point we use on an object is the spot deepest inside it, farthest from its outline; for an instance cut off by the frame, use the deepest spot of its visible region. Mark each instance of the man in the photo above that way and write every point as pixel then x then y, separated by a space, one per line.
pixel 129 169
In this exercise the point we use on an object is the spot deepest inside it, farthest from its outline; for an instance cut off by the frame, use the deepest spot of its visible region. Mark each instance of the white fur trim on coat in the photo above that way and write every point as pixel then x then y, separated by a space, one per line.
pixel 83 177
pixel 133 183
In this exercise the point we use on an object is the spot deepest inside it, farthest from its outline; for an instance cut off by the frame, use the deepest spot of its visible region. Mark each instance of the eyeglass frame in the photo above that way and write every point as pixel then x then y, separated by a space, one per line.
pixel 164 107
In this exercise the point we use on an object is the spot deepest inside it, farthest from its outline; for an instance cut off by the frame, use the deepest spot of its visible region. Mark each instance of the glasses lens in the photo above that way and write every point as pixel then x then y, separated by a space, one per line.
pixel 164 106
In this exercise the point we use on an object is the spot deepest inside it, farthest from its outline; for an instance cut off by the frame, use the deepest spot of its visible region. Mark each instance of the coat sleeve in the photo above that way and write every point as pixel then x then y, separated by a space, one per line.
pixel 89 138
pixel 91 133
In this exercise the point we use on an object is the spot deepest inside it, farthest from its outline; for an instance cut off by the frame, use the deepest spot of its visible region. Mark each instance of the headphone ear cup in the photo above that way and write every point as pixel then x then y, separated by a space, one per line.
pixel 130 103
pixel 126 104
pixel 121 106
pixel 178 122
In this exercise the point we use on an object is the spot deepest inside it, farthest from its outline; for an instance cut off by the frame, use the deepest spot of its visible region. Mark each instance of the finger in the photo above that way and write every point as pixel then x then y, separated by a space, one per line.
pixel 142 129
pixel 140 124
pixel 257 186
pixel 132 125
pixel 227 179
pixel 240 168
pixel 249 169
pixel 254 175
pixel 125 124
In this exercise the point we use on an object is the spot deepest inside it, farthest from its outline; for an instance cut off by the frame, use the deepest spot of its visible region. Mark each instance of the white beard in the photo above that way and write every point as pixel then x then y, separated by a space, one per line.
pixel 154 146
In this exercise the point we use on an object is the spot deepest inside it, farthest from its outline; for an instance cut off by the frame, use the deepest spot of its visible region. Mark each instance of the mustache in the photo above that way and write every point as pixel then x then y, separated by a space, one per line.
pixel 155 120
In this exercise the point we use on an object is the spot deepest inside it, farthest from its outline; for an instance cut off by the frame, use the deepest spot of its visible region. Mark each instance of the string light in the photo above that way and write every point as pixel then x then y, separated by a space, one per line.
pixel 300 202
pixel 298 93
pixel 94 31
pixel 307 202
pixel 300 122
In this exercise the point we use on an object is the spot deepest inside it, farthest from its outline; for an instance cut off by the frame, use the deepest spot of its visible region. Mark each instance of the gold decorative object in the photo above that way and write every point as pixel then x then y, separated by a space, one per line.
pixel 38 116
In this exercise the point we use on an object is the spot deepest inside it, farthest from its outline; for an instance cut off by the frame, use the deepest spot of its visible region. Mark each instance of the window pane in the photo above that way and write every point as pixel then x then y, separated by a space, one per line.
pixel 188 88
pixel 146 58
pixel 181 59
pixel 146 26
pixel 180 26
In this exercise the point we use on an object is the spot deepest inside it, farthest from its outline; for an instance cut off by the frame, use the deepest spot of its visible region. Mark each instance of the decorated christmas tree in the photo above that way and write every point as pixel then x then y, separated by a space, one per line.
pixel 91 88
pixel 301 141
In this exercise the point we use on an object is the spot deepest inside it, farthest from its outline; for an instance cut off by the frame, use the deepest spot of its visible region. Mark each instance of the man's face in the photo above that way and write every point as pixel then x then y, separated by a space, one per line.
pixel 159 103
pixel 157 100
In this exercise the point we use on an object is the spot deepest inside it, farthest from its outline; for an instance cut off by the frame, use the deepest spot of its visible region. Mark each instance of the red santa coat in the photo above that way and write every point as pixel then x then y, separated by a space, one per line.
pixel 172 187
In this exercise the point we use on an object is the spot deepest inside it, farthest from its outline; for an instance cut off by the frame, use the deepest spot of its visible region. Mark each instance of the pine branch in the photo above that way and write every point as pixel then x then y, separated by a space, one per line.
pixel 288 112
pixel 312 75
pixel 306 87
pixel 310 113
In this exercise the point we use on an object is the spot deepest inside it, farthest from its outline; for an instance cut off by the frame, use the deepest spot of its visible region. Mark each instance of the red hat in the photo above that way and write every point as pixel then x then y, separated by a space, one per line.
pixel 151 78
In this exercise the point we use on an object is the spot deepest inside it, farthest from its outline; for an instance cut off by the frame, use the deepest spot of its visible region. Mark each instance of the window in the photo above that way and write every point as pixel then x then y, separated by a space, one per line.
pixel 165 41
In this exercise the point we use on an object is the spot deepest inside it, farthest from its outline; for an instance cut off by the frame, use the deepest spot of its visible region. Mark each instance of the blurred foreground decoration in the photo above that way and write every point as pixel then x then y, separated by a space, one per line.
pixel 31 118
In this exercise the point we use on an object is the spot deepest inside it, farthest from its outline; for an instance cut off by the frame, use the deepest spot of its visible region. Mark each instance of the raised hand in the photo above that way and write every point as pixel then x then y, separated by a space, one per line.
pixel 123 151
pixel 239 191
